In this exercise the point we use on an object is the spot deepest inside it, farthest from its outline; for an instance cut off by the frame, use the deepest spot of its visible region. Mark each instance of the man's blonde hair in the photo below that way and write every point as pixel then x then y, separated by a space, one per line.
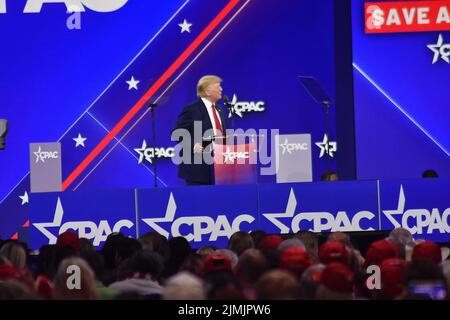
pixel 204 82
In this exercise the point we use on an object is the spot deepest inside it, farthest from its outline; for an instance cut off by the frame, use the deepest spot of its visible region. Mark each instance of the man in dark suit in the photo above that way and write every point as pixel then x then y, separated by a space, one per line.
pixel 213 120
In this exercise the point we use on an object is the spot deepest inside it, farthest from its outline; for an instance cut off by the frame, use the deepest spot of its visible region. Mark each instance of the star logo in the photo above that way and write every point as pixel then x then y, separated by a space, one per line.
pixel 233 109
pixel 79 141
pixel 440 50
pixel 141 152
pixel 133 83
pixel 24 198
pixel 57 219
pixel 185 26
pixel 327 147
pixel 289 213
pixel 285 148
pixel 38 155
pixel 400 209
pixel 169 217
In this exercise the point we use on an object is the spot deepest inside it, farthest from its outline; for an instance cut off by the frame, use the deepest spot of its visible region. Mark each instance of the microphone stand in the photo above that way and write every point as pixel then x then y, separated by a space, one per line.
pixel 327 115
pixel 152 107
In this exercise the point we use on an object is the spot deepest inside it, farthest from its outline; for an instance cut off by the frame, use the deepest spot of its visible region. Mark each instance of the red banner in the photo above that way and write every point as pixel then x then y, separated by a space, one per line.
pixel 407 16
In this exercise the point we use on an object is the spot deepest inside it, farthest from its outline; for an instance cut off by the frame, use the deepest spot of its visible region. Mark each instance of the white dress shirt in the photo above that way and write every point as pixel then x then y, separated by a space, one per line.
pixel 208 105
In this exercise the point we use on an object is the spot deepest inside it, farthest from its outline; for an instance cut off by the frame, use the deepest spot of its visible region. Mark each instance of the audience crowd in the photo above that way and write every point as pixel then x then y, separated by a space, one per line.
pixel 254 266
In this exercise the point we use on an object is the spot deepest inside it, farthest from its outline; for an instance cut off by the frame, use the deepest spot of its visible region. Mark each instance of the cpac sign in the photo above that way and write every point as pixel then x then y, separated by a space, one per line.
pixel 231 156
pixel 35 6
pixel 150 153
pixel 197 227
pixel 321 221
pixel 85 229
pixel 45 155
pixel 418 221
pixel 291 147
pixel 240 107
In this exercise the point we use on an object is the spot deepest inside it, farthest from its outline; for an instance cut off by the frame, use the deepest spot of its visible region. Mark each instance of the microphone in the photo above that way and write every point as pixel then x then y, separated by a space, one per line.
pixel 228 104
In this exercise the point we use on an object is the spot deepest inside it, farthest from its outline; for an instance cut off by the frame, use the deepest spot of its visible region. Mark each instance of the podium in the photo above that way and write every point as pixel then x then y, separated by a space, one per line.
pixel 235 163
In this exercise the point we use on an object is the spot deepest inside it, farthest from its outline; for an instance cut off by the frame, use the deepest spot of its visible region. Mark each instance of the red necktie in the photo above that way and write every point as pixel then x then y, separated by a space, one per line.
pixel 216 121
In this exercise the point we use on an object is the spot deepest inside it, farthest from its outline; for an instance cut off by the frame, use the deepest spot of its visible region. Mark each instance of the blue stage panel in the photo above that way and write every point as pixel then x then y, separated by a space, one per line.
pixel 93 215
pixel 421 206
pixel 319 207
pixel 204 215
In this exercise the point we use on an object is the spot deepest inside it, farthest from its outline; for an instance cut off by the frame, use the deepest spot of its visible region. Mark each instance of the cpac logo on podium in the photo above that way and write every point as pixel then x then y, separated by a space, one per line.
pixel 45 155
pixel 291 147
pixel 200 226
pixel 321 221
pixel 35 6
pixel 231 156
pixel 86 229
pixel 418 221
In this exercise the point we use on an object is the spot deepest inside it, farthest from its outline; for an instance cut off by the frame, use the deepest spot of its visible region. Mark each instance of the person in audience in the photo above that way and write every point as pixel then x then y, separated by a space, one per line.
pixel 310 281
pixel 336 283
pixel 251 266
pixel 145 268
pixel 430 173
pixel 240 241
pixel 277 285
pixel 75 280
pixel 311 242
pixel 329 176
pixel 184 286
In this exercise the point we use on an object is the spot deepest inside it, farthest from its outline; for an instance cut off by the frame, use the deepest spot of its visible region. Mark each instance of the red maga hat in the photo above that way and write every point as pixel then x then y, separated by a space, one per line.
pixel 333 251
pixel 338 277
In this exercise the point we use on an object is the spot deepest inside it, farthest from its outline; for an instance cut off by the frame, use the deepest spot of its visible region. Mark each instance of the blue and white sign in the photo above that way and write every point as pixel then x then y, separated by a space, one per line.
pixel 319 207
pixel 93 215
pixel 421 206
pixel 203 215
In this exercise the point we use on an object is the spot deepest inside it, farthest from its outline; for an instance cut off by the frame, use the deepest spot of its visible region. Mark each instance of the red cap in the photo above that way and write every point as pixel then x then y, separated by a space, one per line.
pixel 44 287
pixel 427 250
pixel 8 271
pixel 295 259
pixel 337 277
pixel 217 262
pixel 392 274
pixel 69 238
pixel 270 243
pixel 380 250
pixel 333 251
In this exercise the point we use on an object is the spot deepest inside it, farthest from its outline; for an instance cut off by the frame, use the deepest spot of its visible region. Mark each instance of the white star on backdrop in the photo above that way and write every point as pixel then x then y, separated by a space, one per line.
pixel 185 26
pixel 132 84
pixel 25 198
pixel 327 147
pixel 440 50
pixel 79 141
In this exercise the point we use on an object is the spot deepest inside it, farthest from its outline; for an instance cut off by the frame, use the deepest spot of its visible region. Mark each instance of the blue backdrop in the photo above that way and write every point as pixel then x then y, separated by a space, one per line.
pixel 59 83
pixel 401 103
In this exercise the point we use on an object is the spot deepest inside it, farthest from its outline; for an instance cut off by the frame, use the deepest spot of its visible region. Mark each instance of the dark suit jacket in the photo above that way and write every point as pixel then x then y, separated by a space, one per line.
pixel 196 111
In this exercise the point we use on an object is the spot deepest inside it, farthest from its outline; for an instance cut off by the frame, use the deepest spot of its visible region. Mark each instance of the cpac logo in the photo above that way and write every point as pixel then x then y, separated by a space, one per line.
pixel 230 156
pixel 86 229
pixel 418 221
pixel 327 147
pixel 151 153
pixel 321 221
pixel 35 6
pixel 440 50
pixel 201 225
pixel 45 155
pixel 245 106
pixel 291 147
